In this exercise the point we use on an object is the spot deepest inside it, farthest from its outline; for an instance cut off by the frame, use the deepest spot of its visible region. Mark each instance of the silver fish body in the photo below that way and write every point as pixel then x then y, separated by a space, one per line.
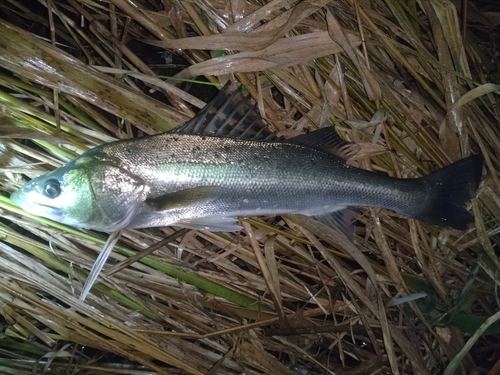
pixel 248 178
pixel 206 182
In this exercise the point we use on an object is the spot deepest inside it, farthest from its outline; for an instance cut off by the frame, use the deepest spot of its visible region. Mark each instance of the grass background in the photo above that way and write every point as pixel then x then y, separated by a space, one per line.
pixel 414 82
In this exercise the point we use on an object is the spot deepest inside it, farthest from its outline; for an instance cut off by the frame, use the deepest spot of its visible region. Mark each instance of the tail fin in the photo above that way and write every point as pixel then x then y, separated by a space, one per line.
pixel 449 189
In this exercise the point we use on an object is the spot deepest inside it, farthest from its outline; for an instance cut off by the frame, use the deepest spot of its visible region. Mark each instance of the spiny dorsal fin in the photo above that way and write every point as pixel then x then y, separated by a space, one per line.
pixel 230 114
pixel 327 139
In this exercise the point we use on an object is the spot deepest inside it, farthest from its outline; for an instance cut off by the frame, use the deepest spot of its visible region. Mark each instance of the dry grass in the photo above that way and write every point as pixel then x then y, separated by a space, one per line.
pixel 286 295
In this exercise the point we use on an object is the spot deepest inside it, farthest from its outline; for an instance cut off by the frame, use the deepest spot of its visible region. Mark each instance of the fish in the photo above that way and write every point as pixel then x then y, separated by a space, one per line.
pixel 224 164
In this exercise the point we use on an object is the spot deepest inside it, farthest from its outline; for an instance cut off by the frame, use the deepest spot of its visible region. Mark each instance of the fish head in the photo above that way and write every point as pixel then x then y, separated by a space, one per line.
pixel 85 193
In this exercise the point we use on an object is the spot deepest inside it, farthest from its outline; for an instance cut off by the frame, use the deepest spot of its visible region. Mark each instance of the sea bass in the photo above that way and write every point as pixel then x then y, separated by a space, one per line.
pixel 223 164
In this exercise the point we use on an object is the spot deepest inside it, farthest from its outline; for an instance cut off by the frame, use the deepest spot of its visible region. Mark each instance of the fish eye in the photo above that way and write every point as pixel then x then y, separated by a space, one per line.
pixel 52 188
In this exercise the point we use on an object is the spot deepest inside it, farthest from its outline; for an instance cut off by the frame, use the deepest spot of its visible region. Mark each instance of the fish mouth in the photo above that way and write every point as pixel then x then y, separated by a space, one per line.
pixel 16 198
pixel 38 209
pixel 52 213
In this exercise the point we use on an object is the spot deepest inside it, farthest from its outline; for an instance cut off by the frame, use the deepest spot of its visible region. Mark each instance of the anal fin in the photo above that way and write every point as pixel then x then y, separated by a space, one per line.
pixel 343 221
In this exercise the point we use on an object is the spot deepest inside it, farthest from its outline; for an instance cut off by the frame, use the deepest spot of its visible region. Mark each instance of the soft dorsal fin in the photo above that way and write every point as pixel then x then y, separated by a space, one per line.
pixel 230 114
pixel 328 140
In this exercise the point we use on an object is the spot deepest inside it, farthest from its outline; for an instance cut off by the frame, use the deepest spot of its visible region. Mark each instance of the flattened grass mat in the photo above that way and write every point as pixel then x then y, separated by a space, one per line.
pixel 415 83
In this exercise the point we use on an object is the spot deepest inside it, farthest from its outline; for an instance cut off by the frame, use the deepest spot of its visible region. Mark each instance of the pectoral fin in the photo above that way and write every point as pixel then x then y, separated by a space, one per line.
pixel 182 198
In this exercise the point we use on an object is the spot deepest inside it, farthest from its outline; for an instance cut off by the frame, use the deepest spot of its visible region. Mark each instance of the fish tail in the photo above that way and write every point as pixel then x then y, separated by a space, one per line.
pixel 449 188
